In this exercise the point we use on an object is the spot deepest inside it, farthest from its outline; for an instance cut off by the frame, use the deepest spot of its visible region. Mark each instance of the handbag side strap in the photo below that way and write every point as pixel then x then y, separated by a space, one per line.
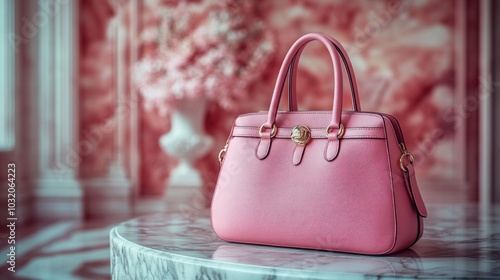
pixel 411 184
pixel 292 99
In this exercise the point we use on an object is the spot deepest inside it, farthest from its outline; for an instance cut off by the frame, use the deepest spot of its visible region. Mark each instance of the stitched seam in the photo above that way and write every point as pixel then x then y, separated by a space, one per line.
pixel 325 152
pixel 268 148
pixel 303 247
pixel 293 156
pixel 318 129
pixel 392 188
pixel 265 113
pixel 317 137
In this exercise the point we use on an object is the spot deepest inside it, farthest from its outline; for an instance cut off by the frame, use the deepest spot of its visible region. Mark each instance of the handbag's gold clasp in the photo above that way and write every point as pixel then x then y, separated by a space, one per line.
pixel 405 154
pixel 340 133
pixel 301 135
pixel 223 152
pixel 273 131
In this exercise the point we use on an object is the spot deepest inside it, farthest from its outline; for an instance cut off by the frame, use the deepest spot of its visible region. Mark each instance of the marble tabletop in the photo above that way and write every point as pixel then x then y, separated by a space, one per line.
pixel 460 241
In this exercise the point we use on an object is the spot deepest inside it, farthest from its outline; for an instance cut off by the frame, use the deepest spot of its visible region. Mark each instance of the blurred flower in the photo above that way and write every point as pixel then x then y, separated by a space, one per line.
pixel 208 49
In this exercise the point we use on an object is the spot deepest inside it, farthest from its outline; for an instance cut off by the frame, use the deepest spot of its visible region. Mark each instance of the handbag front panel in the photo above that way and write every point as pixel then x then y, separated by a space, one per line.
pixel 346 205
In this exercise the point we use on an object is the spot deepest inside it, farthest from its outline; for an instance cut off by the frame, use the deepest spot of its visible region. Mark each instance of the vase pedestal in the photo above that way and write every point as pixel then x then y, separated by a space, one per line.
pixel 187 142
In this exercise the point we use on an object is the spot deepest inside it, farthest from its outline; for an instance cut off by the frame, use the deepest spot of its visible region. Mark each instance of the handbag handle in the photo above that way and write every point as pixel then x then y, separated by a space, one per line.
pixel 292 99
pixel 288 62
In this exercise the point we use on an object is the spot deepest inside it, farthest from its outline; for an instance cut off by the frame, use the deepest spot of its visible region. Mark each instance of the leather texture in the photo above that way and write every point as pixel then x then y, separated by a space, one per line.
pixel 338 192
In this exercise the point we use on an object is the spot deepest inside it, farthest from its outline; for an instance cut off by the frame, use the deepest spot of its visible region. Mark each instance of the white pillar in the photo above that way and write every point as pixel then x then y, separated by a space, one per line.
pixel 7 76
pixel 57 191
pixel 9 141
pixel 111 194
pixel 485 107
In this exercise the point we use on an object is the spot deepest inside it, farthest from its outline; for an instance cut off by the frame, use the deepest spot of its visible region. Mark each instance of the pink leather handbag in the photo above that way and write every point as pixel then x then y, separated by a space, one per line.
pixel 330 180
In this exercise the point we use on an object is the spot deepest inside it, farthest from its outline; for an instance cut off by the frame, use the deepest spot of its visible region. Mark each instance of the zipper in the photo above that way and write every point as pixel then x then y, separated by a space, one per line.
pixel 397 128
pixel 399 132
pixel 394 122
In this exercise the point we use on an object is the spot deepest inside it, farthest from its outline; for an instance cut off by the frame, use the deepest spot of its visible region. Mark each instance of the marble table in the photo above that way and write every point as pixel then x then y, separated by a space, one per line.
pixel 460 241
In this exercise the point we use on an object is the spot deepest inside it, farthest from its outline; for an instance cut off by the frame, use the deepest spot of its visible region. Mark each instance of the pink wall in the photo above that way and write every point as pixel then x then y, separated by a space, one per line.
pixel 404 55
pixel 95 86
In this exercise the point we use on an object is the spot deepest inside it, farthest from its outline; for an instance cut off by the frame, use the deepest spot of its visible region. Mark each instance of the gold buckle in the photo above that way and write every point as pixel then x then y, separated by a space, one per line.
pixel 301 135
pixel 223 152
pixel 273 132
pixel 401 160
pixel 340 133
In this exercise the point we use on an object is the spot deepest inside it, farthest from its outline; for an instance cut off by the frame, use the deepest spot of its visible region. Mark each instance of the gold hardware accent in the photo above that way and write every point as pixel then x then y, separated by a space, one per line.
pixel 301 135
pixel 403 147
pixel 273 132
pixel 401 159
pixel 340 133
pixel 223 152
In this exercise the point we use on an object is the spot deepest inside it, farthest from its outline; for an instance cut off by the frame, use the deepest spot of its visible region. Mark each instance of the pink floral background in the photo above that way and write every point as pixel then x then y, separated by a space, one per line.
pixel 403 53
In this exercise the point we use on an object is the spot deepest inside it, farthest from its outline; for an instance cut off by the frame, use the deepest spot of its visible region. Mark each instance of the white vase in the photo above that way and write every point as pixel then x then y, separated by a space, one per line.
pixel 187 142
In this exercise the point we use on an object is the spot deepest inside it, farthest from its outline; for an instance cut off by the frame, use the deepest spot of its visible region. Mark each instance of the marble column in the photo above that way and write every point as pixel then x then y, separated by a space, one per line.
pixel 485 108
pixel 8 120
pixel 57 191
pixel 7 78
pixel 111 195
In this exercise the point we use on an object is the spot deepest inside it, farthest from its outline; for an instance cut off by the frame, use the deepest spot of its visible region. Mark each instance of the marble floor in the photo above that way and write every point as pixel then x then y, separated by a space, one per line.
pixel 61 250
